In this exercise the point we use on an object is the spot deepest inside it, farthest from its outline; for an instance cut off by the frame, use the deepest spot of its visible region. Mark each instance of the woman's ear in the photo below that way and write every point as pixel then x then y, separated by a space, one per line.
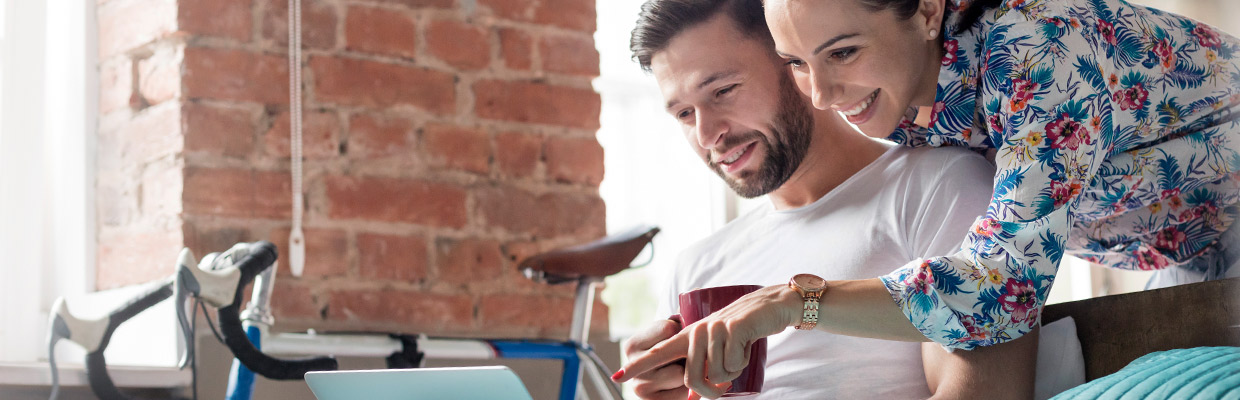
pixel 929 18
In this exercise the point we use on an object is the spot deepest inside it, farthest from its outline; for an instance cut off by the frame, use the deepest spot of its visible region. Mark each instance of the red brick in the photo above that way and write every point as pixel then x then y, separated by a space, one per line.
pixel 318 24
pixel 161 188
pixel 510 9
pixel 381 31
pixel 227 19
pixel 116 199
pixel 327 252
pixel 374 84
pixel 396 200
pixel 295 301
pixel 377 136
pixel 574 55
pixel 546 215
pixel 203 240
pixel 151 134
pixel 516 47
pixel 526 314
pixel 159 76
pixel 422 312
pixel 235 75
pixel 465 261
pixel 391 258
pixel 537 103
pixel 320 132
pixel 227 132
pixel 115 84
pixel 518 153
pixel 421 3
pixel 132 257
pixel 578 160
pixel 458 147
pixel 238 193
pixel 124 25
pixel 572 14
pixel 460 44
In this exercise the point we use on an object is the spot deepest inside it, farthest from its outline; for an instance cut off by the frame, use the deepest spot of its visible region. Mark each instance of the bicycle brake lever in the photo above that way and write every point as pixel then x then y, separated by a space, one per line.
pixel 93 335
pixel 258 257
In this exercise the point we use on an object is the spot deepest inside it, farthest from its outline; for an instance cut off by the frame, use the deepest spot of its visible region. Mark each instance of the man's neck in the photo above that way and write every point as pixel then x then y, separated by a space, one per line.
pixel 836 153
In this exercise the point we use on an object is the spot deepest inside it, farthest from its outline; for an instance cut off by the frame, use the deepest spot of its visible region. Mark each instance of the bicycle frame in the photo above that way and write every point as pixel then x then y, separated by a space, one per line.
pixel 257 320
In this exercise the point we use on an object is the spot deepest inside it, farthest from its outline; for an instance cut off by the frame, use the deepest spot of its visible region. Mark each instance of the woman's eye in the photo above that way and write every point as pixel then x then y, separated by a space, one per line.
pixel 843 53
pixel 795 63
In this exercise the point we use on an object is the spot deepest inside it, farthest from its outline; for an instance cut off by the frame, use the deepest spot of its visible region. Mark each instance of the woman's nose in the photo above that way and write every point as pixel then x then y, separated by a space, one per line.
pixel 824 91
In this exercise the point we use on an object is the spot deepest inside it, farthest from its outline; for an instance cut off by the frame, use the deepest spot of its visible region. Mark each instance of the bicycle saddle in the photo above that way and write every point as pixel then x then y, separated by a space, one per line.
pixel 600 258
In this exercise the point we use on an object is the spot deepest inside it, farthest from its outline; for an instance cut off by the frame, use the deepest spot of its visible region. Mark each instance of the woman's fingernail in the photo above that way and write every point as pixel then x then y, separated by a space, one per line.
pixel 619 374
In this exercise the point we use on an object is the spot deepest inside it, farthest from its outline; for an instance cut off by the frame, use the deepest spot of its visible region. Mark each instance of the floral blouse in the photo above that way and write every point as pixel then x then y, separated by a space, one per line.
pixel 1116 131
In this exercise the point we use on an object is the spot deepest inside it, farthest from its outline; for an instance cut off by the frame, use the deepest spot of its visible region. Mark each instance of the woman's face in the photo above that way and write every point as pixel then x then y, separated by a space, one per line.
pixel 870 66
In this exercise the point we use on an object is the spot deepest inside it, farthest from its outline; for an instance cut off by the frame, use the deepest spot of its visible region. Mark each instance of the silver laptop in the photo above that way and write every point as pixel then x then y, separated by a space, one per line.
pixel 469 383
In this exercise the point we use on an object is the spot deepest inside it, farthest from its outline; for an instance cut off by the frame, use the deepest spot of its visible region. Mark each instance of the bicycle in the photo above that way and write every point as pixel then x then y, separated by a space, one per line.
pixel 219 281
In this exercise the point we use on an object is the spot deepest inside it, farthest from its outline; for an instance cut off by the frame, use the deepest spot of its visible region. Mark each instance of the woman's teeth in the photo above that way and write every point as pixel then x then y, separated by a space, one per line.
pixel 860 107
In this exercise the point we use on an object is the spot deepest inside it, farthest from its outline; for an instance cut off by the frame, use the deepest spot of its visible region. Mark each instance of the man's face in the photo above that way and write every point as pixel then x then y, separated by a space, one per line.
pixel 738 109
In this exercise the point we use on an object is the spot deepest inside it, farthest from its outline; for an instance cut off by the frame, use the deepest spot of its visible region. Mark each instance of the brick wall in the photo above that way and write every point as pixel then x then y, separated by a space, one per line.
pixel 444 140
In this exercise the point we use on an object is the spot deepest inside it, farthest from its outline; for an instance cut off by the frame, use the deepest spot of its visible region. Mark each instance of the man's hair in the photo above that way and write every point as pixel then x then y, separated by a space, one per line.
pixel 662 20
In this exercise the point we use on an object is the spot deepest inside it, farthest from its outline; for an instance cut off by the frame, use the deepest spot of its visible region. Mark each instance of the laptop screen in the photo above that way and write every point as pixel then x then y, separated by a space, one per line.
pixel 469 383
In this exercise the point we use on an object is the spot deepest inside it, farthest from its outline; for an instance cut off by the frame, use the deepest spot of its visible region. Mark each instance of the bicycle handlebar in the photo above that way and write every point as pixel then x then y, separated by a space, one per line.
pixel 261 255
pixel 95 335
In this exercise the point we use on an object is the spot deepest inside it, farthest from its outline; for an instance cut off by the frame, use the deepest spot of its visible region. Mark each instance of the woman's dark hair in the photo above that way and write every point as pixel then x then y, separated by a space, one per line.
pixel 906 8
pixel 661 20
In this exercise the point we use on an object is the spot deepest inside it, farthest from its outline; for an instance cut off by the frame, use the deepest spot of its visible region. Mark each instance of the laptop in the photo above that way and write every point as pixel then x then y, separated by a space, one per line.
pixel 468 383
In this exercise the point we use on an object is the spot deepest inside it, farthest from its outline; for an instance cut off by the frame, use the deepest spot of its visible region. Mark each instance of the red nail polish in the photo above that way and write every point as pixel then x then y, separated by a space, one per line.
pixel 619 374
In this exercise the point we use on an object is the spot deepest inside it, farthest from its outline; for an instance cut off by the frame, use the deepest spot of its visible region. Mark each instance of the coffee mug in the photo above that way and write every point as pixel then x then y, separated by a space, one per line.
pixel 698 303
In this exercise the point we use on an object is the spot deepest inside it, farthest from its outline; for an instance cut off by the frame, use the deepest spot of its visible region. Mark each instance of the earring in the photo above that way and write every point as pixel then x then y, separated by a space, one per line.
pixel 934 33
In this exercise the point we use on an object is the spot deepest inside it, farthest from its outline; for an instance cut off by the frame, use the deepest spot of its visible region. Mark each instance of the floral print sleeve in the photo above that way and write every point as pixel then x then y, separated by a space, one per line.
pixel 1116 137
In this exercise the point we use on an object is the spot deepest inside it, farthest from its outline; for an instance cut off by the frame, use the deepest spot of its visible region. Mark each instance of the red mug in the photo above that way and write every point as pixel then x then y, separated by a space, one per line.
pixel 698 303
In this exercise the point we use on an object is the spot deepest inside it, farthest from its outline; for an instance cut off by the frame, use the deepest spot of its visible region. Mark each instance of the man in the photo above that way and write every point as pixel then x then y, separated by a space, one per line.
pixel 835 195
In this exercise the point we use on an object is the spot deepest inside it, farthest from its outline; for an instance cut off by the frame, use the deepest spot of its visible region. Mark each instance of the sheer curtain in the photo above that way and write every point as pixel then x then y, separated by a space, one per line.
pixel 48 92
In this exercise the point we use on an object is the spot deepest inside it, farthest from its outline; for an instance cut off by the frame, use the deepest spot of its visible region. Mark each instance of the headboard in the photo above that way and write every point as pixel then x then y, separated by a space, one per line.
pixel 1114 330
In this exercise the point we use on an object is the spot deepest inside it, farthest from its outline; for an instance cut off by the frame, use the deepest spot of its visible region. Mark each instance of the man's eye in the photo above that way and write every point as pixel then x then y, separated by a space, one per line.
pixel 725 90
pixel 684 114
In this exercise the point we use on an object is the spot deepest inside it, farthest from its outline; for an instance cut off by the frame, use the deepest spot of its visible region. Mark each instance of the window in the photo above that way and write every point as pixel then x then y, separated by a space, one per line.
pixel 47 130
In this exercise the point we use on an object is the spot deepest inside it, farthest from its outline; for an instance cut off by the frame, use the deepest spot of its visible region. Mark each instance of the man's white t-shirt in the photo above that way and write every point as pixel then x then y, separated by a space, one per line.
pixel 909 203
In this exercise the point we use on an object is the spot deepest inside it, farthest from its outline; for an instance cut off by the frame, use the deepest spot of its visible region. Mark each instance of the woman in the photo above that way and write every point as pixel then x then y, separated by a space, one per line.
pixel 1115 129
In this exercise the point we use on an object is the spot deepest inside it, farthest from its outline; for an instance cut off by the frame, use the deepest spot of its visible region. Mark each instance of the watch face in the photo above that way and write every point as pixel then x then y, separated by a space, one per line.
pixel 809 282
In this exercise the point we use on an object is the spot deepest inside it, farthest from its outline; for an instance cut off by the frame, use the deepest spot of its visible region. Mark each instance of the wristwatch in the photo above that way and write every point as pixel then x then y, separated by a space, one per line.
pixel 810 287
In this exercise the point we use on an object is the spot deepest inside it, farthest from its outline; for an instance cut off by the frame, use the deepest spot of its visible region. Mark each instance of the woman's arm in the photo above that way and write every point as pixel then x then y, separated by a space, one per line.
pixel 1002 371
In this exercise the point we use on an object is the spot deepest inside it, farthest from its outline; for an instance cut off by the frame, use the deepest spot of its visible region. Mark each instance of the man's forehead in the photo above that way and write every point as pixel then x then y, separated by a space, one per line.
pixel 703 54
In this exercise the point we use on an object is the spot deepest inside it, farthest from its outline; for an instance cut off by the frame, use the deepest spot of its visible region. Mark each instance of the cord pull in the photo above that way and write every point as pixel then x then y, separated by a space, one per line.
pixel 296 251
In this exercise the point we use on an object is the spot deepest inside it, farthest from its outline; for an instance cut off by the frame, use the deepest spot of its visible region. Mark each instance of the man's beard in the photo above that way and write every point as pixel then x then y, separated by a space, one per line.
pixel 791 133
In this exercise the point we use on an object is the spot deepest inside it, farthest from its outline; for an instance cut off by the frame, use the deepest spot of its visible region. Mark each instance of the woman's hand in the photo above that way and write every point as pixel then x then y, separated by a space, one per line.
pixel 666 381
pixel 715 349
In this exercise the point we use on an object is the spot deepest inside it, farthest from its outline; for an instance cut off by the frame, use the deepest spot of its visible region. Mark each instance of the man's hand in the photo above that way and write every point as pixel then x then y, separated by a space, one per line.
pixel 665 382
pixel 715 348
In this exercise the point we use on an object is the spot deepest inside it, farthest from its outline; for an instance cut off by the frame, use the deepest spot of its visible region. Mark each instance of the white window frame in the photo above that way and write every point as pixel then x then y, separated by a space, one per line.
pixel 48 102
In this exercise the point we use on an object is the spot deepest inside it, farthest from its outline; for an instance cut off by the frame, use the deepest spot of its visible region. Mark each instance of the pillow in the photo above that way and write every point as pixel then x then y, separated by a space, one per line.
pixel 1196 373
pixel 1061 364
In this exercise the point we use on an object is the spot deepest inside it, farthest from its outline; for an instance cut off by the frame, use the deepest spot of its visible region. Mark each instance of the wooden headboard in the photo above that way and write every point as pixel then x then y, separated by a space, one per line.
pixel 1114 330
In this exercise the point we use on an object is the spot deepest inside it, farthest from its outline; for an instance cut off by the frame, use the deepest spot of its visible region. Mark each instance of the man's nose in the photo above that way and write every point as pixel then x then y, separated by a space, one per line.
pixel 710 129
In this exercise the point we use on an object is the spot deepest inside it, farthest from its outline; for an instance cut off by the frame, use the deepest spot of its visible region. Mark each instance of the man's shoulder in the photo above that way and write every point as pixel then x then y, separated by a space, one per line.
pixel 718 239
pixel 937 160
